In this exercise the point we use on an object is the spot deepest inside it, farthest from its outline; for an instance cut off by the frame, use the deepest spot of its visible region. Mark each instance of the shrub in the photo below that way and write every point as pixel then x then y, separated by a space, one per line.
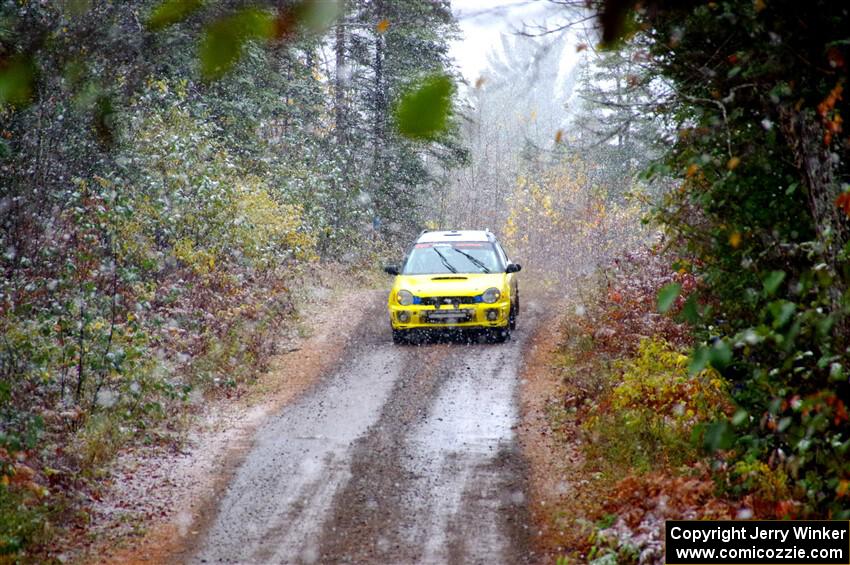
pixel 23 521
pixel 648 420
pixel 761 217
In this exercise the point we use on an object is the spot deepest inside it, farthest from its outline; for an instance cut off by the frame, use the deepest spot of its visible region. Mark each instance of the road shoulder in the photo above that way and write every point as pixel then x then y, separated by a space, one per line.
pixel 554 462
pixel 160 502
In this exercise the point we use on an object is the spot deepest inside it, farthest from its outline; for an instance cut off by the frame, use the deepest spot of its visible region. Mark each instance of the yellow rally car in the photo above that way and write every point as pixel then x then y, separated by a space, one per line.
pixel 454 279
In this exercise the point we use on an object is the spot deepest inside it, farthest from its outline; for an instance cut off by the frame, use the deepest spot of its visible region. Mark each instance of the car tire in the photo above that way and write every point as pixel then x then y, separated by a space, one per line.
pixel 514 313
pixel 500 335
pixel 400 337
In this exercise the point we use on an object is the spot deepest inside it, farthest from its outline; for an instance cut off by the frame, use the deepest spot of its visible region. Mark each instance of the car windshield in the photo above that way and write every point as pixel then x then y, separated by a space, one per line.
pixel 454 257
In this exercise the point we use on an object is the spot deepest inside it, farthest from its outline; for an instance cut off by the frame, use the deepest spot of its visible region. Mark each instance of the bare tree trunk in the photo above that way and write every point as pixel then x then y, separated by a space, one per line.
pixel 337 204
pixel 813 159
pixel 81 376
pixel 380 87
pixel 340 109
pixel 379 133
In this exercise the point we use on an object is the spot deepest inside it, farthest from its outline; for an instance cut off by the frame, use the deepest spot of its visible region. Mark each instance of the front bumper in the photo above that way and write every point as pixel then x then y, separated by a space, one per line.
pixel 464 316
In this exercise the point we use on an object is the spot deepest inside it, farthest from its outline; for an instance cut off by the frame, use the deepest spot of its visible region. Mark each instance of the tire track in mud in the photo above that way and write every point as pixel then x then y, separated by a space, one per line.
pixel 470 493
pixel 298 460
pixel 439 479
pixel 401 455
pixel 371 509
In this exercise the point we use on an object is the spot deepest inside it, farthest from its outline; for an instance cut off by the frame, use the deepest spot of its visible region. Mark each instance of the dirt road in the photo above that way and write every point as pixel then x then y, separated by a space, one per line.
pixel 402 454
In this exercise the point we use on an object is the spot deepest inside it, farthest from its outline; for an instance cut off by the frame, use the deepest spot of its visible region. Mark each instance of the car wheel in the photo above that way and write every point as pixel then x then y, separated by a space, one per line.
pixel 400 337
pixel 512 316
pixel 500 335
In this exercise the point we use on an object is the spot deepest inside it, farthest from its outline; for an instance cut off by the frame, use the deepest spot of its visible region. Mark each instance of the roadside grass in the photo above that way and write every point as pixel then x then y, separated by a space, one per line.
pixel 98 441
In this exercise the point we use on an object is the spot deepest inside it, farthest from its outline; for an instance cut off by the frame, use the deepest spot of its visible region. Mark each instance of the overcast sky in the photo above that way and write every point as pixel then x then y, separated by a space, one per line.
pixel 483 21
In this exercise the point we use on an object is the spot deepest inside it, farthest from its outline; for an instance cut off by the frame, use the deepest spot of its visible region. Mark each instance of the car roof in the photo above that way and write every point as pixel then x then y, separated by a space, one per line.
pixel 455 235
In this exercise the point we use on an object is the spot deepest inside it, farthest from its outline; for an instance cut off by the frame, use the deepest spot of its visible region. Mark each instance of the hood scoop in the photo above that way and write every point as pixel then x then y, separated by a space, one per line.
pixel 449 278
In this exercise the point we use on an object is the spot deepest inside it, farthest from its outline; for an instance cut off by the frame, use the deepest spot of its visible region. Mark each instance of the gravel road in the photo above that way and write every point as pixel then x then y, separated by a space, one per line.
pixel 402 454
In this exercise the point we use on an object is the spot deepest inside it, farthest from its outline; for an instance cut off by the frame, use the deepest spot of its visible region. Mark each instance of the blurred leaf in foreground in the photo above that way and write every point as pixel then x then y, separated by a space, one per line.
pixel 699 360
pixel 720 354
pixel 718 435
pixel 17 75
pixel 667 295
pixel 312 16
pixel 223 39
pixel 423 112
pixel 170 12
pixel 772 281
pixel 318 15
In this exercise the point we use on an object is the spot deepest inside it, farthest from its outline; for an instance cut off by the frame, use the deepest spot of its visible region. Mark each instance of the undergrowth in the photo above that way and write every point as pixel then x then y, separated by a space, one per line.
pixel 54 453
pixel 638 415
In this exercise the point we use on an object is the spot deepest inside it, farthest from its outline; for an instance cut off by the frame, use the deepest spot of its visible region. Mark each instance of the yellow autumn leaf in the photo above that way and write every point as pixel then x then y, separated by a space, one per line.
pixel 733 163
pixel 383 26
pixel 735 240
pixel 693 169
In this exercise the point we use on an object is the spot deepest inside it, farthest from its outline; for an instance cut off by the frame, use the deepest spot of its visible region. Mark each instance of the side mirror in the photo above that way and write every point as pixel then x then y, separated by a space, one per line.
pixel 513 268
pixel 391 269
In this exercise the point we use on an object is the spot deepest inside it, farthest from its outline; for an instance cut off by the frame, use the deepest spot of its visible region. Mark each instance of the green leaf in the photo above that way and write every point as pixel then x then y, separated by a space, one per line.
pixel 423 113
pixel 718 435
pixel 741 416
pixel 690 311
pixel 772 281
pixel 781 312
pixel 221 46
pixel 699 359
pixel 667 296
pixel 655 170
pixel 170 12
pixel 720 355
pixel 318 15
pixel 17 76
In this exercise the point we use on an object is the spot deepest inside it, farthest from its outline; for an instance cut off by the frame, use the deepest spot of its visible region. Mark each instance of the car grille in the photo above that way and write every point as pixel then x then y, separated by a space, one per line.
pixel 448 316
pixel 446 301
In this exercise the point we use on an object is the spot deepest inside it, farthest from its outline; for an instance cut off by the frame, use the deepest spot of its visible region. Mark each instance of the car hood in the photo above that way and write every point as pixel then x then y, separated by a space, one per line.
pixel 460 284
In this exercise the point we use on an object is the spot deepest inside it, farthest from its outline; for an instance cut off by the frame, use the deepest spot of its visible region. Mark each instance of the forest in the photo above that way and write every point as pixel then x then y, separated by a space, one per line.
pixel 174 172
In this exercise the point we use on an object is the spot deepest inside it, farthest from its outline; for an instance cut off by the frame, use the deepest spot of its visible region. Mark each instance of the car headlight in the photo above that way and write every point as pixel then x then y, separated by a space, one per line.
pixel 404 297
pixel 491 295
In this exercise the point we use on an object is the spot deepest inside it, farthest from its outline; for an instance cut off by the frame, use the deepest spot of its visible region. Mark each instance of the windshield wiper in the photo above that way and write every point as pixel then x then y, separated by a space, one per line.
pixel 445 261
pixel 473 260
